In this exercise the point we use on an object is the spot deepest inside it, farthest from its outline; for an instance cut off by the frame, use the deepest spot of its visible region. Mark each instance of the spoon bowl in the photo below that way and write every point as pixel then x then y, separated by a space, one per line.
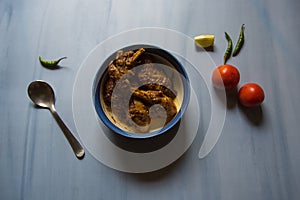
pixel 42 94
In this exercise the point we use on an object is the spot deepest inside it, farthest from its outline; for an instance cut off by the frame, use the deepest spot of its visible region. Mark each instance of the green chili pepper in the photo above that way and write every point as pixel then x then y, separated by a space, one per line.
pixel 50 63
pixel 240 42
pixel 229 48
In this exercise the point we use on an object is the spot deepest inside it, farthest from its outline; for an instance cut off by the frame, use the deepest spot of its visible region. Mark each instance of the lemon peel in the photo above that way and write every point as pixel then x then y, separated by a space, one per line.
pixel 205 40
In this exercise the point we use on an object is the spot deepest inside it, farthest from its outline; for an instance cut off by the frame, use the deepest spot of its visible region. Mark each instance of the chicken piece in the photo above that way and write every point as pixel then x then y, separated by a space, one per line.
pixel 123 62
pixel 132 59
pixel 170 108
pixel 128 53
pixel 157 87
pixel 117 68
pixel 149 97
pixel 114 72
pixel 119 54
pixel 139 113
pixel 152 97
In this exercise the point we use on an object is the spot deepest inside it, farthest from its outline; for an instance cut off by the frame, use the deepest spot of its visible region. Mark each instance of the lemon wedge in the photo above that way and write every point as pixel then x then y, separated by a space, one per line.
pixel 204 40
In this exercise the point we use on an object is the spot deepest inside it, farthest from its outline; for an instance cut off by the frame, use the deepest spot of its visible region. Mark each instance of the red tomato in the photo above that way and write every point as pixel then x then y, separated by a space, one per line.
pixel 251 95
pixel 225 76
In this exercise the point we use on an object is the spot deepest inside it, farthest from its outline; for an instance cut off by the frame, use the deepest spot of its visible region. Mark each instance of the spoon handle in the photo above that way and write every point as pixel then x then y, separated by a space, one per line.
pixel 76 146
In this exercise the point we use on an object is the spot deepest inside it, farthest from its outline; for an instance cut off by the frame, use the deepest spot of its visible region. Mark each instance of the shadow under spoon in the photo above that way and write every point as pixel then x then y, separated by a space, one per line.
pixel 42 94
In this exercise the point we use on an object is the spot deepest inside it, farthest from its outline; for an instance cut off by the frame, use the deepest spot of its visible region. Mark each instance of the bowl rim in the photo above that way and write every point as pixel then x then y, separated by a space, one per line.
pixel 186 96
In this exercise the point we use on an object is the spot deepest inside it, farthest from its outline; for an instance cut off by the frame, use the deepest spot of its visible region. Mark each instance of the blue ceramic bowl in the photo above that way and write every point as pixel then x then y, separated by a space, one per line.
pixel 182 89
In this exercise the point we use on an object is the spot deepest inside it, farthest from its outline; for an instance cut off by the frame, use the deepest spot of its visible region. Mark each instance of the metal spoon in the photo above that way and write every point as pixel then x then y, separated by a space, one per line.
pixel 42 94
